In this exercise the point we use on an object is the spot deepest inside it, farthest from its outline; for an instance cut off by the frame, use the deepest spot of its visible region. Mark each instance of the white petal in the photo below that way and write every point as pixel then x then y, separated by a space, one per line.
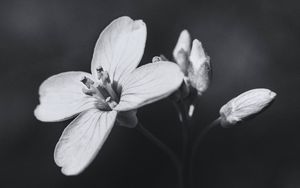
pixel 149 83
pixel 61 97
pixel 120 47
pixel 82 139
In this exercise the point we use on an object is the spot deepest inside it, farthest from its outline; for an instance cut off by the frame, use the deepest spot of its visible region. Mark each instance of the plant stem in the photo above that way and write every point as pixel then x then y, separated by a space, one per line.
pixel 196 144
pixel 166 149
pixel 185 125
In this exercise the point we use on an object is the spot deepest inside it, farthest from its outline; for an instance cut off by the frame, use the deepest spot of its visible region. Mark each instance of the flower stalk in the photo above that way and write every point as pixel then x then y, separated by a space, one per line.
pixel 141 129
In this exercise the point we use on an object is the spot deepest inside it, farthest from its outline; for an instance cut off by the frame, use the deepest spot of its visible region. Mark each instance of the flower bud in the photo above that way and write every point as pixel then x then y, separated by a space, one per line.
pixel 244 106
pixel 182 50
pixel 156 59
pixel 199 71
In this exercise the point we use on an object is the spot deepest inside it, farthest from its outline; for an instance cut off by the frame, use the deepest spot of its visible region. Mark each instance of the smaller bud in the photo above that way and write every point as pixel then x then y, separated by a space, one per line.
pixel 182 50
pixel 87 81
pixel 244 106
pixel 199 71
pixel 156 59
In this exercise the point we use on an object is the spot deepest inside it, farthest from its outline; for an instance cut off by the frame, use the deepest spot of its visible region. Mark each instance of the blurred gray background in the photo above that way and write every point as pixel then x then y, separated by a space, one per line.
pixel 251 44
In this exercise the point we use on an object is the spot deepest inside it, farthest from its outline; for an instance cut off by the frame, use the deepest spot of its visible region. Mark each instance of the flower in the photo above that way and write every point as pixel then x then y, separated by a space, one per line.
pixel 244 106
pixel 194 63
pixel 110 94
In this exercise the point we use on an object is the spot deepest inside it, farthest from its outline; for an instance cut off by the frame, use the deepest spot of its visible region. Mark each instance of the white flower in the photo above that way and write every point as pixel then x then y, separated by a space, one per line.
pixel 245 105
pixel 194 63
pixel 112 93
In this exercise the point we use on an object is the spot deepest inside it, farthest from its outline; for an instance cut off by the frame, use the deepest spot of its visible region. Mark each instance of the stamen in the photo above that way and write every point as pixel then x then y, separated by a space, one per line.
pixel 90 89
pixel 93 92
pixel 106 83
pixel 101 89
pixel 99 72
pixel 105 78
pixel 99 69
pixel 87 82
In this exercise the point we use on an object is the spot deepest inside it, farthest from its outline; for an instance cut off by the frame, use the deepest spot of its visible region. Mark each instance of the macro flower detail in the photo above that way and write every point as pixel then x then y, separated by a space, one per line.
pixel 109 95
pixel 193 61
pixel 244 106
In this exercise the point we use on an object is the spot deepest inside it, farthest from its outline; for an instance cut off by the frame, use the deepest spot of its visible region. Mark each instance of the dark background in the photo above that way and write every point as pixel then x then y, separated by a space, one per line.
pixel 251 44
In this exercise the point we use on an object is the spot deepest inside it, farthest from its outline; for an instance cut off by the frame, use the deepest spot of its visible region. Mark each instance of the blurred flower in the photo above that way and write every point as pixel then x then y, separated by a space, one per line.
pixel 112 93
pixel 194 63
pixel 244 106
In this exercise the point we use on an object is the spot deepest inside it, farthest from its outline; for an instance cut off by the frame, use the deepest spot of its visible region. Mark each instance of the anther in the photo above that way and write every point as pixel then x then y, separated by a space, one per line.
pixel 99 72
pixel 99 69
pixel 87 81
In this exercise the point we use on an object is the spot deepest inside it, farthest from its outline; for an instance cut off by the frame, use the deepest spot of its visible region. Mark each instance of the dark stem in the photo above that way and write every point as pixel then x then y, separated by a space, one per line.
pixel 166 149
pixel 185 125
pixel 196 144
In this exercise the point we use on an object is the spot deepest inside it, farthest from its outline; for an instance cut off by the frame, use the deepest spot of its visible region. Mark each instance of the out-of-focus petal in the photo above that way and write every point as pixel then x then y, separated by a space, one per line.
pixel 183 43
pixel 120 47
pixel 61 97
pixel 82 139
pixel 197 56
pixel 127 119
pixel 182 50
pixel 149 83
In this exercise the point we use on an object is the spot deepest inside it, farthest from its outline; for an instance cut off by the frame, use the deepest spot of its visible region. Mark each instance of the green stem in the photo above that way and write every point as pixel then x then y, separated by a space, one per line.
pixel 166 149
pixel 197 142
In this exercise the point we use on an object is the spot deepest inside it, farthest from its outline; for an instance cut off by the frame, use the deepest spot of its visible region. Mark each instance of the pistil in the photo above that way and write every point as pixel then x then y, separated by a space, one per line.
pixel 105 82
pixel 91 89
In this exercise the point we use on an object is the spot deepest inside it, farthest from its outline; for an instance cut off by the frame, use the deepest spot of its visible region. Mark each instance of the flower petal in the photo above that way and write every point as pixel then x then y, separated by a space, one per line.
pixel 120 47
pixel 149 83
pixel 61 97
pixel 82 139
pixel 127 119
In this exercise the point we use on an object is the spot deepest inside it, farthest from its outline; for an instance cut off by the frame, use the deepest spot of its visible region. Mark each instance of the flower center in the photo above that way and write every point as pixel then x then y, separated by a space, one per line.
pixel 101 89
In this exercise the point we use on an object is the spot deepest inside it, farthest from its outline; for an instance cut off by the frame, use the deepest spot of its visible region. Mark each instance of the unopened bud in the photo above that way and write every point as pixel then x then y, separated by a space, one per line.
pixel 199 71
pixel 182 50
pixel 244 106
